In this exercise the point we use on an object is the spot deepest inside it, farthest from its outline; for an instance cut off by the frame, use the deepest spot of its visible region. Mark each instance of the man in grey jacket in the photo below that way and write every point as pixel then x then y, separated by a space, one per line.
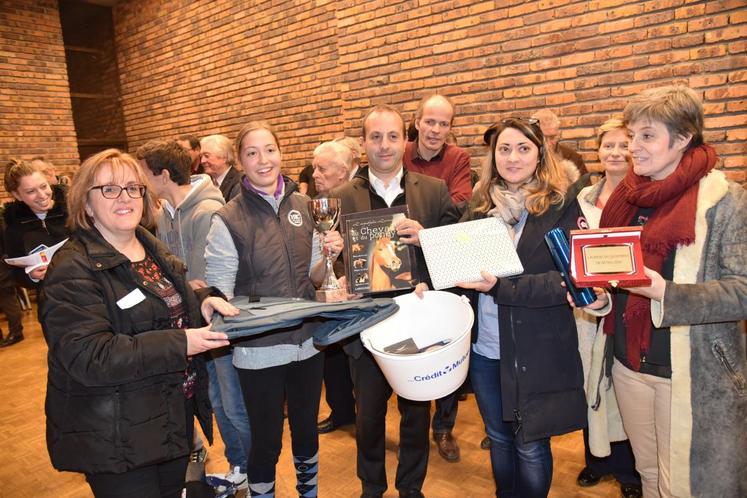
pixel 187 206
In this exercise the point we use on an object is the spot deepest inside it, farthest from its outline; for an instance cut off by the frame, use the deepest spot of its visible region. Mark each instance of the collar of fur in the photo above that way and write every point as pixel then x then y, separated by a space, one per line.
pixel 570 170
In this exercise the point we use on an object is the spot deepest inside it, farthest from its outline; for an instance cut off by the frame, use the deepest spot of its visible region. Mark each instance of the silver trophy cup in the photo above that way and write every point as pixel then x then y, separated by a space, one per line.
pixel 325 212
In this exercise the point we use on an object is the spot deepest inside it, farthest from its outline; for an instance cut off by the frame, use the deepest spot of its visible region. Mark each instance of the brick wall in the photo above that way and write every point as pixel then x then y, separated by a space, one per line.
pixel 227 65
pixel 88 34
pixel 313 68
pixel 35 112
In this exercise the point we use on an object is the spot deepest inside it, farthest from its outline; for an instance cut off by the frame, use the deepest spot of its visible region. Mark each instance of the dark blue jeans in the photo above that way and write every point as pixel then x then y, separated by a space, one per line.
pixel 520 470
pixel 229 409
pixel 444 417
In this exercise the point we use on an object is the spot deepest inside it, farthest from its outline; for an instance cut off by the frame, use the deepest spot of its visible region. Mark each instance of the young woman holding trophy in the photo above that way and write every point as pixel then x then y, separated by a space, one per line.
pixel 263 244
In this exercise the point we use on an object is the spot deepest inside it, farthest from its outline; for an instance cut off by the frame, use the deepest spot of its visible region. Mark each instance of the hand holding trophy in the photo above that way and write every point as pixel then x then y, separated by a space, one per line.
pixel 325 212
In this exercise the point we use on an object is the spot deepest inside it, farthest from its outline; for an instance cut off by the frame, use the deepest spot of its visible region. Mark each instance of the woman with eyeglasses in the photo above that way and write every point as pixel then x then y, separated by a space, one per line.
pixel 525 367
pixel 125 333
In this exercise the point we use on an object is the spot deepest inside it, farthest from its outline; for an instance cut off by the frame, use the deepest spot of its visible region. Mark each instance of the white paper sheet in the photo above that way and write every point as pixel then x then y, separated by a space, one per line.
pixel 40 256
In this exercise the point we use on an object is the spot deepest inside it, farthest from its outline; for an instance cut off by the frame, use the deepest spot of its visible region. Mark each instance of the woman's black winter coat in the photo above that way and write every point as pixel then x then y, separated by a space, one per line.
pixel 24 231
pixel 114 399
pixel 541 374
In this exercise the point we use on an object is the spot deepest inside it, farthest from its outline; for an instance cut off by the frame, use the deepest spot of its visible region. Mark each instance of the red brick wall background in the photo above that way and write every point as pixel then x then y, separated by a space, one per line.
pixel 313 68
pixel 35 112
pixel 209 67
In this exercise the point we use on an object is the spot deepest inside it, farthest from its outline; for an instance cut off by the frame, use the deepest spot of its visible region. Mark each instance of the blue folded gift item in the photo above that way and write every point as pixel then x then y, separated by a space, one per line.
pixel 341 320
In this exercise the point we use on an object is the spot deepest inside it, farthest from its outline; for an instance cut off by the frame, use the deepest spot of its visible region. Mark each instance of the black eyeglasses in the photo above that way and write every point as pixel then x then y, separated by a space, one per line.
pixel 134 190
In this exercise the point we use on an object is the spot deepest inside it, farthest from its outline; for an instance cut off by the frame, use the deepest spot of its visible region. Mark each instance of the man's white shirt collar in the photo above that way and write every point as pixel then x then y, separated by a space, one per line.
pixel 387 192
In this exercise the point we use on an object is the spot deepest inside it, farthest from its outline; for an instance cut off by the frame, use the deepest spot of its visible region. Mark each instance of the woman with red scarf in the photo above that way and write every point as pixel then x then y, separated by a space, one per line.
pixel 680 363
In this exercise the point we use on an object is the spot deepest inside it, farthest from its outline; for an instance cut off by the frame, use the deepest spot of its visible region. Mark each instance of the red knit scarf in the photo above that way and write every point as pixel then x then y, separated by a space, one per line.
pixel 672 224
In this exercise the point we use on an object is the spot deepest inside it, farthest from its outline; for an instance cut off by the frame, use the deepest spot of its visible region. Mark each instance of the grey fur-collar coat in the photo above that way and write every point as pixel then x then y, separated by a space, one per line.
pixel 703 306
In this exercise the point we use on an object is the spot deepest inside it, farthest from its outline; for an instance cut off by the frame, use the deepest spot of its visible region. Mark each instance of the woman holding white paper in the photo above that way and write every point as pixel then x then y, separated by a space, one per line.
pixel 124 331
pixel 36 217
pixel 524 366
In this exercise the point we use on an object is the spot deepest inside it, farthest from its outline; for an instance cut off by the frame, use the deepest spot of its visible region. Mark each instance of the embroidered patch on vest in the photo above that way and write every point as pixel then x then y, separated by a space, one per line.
pixel 295 218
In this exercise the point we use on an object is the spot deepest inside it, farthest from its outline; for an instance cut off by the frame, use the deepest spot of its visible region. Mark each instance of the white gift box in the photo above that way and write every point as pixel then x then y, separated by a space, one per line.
pixel 457 253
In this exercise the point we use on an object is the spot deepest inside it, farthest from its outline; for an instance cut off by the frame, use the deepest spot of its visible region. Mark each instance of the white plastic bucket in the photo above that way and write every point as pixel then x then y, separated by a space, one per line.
pixel 432 374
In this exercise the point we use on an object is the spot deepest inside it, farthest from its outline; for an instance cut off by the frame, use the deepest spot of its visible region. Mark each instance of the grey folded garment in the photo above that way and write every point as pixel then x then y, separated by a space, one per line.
pixel 341 320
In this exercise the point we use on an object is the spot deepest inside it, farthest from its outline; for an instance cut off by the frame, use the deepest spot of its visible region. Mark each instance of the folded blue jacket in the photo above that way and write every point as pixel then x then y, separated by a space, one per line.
pixel 341 320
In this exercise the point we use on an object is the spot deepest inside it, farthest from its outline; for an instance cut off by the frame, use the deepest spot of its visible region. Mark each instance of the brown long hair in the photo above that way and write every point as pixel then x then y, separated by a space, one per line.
pixel 77 196
pixel 551 182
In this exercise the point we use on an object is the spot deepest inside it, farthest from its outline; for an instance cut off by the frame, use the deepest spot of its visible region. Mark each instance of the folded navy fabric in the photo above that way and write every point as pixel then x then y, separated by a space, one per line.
pixel 337 321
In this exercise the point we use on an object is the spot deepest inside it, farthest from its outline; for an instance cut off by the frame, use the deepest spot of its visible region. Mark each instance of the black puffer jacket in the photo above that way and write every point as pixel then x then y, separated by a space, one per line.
pixel 7 277
pixel 114 399
pixel 24 231
pixel 541 374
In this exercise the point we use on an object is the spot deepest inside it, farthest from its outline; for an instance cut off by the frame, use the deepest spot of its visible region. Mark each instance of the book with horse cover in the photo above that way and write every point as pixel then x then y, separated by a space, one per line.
pixel 375 259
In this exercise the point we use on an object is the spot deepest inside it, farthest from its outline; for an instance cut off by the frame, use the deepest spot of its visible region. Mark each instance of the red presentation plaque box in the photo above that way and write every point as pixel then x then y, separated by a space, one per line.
pixel 607 257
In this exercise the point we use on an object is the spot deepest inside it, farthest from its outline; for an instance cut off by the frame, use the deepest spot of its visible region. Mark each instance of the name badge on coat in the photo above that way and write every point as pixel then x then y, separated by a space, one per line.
pixel 131 299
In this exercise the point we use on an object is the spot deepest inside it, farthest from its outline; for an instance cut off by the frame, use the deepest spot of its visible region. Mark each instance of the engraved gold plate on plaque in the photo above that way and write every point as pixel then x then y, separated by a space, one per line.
pixel 608 259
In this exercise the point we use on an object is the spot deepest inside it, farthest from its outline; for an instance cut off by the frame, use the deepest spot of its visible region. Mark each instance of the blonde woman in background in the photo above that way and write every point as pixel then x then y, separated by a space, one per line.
pixel 607 450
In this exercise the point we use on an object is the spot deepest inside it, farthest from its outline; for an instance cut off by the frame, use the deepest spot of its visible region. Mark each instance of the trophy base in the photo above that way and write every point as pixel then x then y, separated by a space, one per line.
pixel 331 295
